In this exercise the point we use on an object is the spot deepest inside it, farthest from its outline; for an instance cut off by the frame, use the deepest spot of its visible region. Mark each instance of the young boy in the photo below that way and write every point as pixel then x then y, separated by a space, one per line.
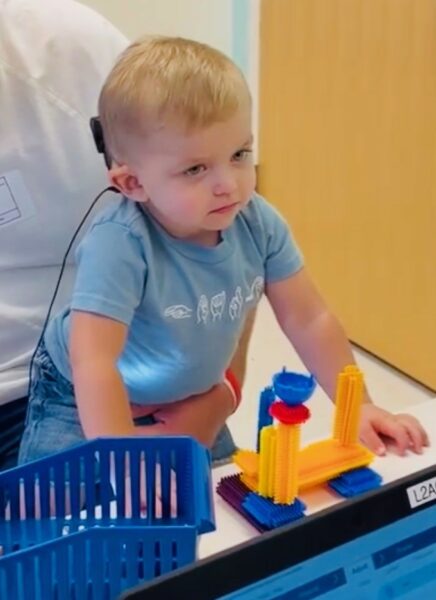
pixel 167 275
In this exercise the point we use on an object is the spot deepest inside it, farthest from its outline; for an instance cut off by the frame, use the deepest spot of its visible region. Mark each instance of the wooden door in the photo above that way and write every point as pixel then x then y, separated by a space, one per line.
pixel 348 154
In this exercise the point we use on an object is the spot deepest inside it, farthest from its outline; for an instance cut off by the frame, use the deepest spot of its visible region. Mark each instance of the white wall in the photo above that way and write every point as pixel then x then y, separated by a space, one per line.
pixel 207 21
pixel 232 26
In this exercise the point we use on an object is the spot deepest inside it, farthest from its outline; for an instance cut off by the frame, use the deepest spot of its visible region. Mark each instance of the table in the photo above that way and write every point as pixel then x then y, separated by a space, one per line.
pixel 232 529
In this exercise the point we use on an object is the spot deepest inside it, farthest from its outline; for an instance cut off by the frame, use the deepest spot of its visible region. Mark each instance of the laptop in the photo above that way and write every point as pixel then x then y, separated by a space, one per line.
pixel 378 546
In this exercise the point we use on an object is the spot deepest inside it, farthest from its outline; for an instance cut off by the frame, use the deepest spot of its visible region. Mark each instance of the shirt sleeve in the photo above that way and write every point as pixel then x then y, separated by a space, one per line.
pixel 111 272
pixel 283 257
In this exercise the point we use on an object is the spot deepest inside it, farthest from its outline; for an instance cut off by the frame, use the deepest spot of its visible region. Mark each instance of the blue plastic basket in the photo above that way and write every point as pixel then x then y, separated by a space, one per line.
pixel 67 532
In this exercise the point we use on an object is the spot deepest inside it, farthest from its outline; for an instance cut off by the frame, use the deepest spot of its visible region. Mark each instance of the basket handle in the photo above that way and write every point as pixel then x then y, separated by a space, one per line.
pixel 203 496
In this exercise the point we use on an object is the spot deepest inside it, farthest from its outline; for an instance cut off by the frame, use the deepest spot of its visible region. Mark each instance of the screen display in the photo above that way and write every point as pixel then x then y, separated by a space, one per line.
pixel 396 561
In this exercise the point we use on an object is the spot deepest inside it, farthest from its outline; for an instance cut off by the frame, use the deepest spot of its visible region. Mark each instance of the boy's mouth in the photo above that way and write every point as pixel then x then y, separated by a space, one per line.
pixel 224 209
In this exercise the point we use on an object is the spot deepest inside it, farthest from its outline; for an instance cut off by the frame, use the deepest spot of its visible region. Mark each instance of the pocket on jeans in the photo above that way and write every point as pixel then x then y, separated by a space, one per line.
pixel 63 412
pixel 58 430
pixel 51 388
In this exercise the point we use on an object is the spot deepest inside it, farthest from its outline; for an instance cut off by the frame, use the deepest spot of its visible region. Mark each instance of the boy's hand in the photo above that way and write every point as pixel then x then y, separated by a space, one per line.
pixel 377 426
pixel 201 416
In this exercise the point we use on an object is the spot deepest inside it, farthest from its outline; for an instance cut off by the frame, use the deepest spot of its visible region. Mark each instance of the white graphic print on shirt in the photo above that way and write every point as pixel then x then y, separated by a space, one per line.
pixel 217 305
pixel 256 290
pixel 203 309
pixel 235 306
pixel 178 311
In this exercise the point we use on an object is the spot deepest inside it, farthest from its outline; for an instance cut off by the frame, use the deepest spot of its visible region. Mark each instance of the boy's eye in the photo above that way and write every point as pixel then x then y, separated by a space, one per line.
pixel 194 170
pixel 241 155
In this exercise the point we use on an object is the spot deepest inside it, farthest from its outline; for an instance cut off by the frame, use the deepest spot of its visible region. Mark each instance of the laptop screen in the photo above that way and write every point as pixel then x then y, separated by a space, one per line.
pixel 381 546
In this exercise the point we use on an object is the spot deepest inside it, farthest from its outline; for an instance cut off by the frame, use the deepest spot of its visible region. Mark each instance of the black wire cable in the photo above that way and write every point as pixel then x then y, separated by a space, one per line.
pixel 58 282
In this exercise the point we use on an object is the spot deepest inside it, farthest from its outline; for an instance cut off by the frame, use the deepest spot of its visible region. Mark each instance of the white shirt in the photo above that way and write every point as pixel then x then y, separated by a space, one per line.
pixel 54 56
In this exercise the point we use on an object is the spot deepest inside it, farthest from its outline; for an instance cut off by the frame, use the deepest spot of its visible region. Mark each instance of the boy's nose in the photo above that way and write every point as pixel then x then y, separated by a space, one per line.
pixel 225 183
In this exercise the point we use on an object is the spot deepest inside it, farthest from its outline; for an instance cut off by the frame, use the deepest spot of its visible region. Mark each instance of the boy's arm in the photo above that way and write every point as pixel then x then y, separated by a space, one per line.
pixel 238 364
pixel 96 342
pixel 316 334
pixel 204 415
pixel 321 343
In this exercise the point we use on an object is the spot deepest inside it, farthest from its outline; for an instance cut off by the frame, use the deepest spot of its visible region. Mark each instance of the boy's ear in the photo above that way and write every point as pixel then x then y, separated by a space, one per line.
pixel 127 183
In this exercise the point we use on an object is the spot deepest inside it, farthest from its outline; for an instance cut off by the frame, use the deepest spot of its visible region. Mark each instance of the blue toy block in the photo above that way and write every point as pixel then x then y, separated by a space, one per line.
pixel 272 515
pixel 356 482
pixel 234 492
pixel 293 388
pixel 267 397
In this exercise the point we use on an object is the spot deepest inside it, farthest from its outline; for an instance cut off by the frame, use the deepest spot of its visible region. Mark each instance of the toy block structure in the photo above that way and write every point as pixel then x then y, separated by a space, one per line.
pixel 272 477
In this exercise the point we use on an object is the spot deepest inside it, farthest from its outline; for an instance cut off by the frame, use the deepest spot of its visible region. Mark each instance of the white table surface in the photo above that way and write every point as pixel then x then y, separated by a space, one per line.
pixel 232 529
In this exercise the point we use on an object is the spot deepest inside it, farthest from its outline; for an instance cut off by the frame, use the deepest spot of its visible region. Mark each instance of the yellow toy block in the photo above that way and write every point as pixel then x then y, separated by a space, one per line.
pixel 349 394
pixel 281 469
pixel 267 457
pixel 327 459
pixel 286 471
pixel 250 482
pixel 248 461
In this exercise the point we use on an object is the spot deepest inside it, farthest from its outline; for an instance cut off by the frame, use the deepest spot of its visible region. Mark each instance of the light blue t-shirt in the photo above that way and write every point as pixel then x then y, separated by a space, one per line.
pixel 184 304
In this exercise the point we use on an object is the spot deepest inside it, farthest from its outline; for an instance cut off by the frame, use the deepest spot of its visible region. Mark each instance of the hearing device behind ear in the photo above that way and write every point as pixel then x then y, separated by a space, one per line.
pixel 97 134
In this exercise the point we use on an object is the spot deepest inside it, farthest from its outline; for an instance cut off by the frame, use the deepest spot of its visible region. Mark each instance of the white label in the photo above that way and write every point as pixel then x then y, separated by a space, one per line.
pixel 15 201
pixel 422 493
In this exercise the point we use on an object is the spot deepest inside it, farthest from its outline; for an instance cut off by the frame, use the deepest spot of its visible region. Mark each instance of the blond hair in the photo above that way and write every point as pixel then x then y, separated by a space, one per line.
pixel 159 80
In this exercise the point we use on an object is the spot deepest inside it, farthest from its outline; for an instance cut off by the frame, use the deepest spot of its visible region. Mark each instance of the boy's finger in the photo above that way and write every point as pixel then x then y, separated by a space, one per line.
pixel 417 434
pixel 416 438
pixel 393 429
pixel 372 440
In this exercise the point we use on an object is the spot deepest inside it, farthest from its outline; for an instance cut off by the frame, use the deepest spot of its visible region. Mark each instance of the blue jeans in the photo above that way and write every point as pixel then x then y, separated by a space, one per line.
pixel 52 421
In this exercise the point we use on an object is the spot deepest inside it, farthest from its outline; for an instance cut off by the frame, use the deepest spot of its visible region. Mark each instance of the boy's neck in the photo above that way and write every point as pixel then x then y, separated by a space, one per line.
pixel 203 238
pixel 206 238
